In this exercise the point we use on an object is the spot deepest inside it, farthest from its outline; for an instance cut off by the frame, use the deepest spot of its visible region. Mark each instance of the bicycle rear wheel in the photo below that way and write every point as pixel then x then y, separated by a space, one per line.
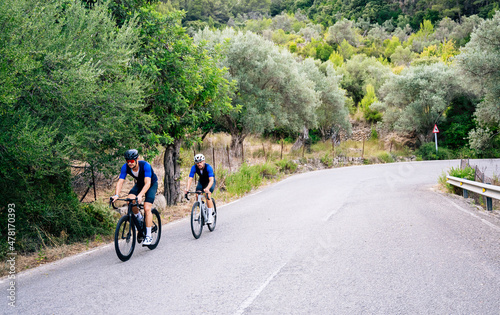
pixel 196 220
pixel 211 226
pixel 155 229
pixel 125 238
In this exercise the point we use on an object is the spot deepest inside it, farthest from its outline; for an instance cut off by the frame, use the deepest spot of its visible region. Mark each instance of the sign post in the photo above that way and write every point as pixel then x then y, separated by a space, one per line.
pixel 435 132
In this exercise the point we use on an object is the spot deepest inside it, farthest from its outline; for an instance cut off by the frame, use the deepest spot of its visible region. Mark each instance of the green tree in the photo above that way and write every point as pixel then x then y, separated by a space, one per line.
pixel 336 59
pixel 402 56
pixel 416 99
pixel 323 51
pixel 342 30
pixel 370 97
pixel 358 72
pixel 67 96
pixel 187 90
pixel 479 64
pixel 332 113
pixel 270 91
pixel 390 46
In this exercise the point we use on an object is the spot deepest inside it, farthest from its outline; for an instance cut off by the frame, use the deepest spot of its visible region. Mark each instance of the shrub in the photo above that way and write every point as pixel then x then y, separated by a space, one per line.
pixel 52 215
pixel 385 157
pixel 428 152
pixel 267 170
pixel 327 159
pixel 466 173
pixel 248 177
pixel 286 166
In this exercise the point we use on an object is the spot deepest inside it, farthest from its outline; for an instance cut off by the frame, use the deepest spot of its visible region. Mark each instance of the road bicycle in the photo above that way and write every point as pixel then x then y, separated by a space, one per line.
pixel 199 214
pixel 125 233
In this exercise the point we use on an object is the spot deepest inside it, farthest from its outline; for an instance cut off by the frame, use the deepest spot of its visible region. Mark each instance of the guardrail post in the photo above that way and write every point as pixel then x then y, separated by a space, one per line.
pixel 489 202
pixel 465 192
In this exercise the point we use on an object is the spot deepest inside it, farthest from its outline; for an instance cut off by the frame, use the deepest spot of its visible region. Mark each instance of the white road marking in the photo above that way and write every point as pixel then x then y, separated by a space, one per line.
pixel 256 293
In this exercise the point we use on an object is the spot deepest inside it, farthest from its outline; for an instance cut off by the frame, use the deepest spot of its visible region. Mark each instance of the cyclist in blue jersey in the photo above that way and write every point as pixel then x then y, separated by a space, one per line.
pixel 206 181
pixel 144 188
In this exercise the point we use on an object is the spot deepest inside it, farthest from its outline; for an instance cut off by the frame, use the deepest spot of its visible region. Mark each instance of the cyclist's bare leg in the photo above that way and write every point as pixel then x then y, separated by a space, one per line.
pixel 147 213
pixel 209 201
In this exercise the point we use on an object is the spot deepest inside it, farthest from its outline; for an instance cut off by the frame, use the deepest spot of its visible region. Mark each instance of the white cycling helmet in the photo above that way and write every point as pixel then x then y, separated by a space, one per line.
pixel 199 158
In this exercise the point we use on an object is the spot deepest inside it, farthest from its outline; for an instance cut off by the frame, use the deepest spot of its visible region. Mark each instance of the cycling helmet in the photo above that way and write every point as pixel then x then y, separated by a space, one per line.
pixel 131 154
pixel 199 158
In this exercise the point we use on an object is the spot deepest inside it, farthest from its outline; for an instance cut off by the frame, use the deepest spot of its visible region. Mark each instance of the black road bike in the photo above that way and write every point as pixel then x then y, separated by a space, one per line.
pixel 199 214
pixel 125 233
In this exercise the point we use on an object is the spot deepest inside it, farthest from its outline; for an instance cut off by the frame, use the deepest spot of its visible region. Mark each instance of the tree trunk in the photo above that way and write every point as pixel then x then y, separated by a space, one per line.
pixel 301 140
pixel 237 143
pixel 172 168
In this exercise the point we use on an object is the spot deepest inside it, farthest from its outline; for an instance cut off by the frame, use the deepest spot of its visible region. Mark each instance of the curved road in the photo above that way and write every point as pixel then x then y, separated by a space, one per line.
pixel 356 240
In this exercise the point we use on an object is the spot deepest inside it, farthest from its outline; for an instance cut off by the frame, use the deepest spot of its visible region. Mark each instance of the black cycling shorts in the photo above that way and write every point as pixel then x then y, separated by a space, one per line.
pixel 200 186
pixel 150 194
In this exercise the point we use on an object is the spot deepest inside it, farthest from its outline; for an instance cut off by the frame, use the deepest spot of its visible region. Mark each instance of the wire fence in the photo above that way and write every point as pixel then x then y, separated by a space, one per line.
pixel 87 183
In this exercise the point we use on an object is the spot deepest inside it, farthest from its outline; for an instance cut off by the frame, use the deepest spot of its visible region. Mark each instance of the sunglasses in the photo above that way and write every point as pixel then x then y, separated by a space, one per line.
pixel 130 161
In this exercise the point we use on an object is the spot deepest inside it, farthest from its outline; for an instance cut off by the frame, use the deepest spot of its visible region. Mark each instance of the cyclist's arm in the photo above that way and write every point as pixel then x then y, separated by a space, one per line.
pixel 119 184
pixel 118 188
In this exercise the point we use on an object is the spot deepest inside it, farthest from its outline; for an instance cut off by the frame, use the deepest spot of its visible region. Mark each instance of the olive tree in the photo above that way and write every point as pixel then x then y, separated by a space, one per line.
pixel 479 64
pixel 343 29
pixel 358 72
pixel 332 113
pixel 270 91
pixel 416 99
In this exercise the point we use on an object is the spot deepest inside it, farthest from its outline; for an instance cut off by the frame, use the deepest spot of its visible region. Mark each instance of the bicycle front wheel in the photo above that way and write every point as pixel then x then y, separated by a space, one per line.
pixel 196 220
pixel 211 226
pixel 155 229
pixel 125 238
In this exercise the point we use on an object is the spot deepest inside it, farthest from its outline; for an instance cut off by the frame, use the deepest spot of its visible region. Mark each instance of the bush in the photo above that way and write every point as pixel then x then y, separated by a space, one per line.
pixel 385 157
pixel 267 170
pixel 428 152
pixel 327 159
pixel 466 173
pixel 243 181
pixel 286 166
pixel 52 215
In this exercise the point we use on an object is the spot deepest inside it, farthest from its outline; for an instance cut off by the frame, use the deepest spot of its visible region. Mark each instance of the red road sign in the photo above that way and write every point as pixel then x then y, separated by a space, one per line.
pixel 436 130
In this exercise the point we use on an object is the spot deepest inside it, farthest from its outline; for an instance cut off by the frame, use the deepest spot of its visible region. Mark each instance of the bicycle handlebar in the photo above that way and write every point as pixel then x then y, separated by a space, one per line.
pixel 193 192
pixel 112 203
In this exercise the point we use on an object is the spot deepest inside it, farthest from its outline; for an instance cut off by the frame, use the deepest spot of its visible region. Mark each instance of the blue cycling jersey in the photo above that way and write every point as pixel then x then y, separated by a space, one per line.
pixel 145 170
pixel 204 174
pixel 209 169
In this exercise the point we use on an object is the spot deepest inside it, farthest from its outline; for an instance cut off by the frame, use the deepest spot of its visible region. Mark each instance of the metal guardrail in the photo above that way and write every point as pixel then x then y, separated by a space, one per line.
pixel 487 190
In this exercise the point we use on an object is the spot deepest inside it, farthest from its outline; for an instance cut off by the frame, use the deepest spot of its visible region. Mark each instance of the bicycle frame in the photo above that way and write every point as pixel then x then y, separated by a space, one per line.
pixel 134 203
pixel 202 199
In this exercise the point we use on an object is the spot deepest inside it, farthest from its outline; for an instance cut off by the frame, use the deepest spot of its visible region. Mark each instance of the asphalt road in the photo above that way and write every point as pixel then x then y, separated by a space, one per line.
pixel 372 239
